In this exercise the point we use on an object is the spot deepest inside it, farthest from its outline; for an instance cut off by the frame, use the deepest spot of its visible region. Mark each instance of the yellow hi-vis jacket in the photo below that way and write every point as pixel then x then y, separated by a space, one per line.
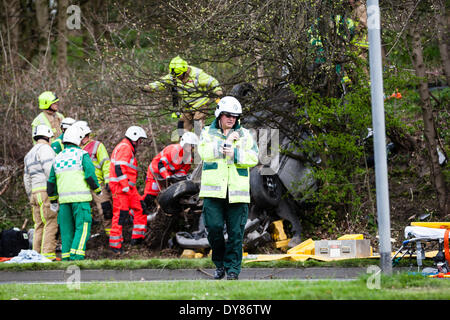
pixel 194 92
pixel 222 174
pixel 100 158
pixel 53 121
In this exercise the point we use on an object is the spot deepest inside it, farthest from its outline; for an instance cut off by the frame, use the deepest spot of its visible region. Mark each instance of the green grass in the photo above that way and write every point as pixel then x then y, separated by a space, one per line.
pixel 397 287
pixel 133 264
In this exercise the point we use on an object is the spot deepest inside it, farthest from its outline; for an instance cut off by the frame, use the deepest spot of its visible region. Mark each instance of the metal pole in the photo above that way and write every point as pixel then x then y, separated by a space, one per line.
pixel 381 176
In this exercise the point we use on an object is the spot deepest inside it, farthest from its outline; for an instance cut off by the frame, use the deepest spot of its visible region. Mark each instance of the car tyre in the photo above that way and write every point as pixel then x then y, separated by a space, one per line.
pixel 168 198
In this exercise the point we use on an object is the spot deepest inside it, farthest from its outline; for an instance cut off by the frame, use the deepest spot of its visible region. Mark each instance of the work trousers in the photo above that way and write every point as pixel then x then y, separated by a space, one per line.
pixel 45 225
pixel 125 204
pixel 74 219
pixel 190 116
pixel 216 214
pixel 103 212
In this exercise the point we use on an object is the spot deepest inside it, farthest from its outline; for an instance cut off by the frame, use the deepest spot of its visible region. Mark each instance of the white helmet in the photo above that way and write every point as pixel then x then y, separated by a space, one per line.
pixel 134 133
pixel 189 137
pixel 73 134
pixel 230 105
pixel 83 125
pixel 67 122
pixel 42 130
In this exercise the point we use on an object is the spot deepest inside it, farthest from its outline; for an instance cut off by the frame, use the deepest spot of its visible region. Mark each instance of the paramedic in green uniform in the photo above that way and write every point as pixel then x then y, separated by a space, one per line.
pixel 228 151
pixel 71 178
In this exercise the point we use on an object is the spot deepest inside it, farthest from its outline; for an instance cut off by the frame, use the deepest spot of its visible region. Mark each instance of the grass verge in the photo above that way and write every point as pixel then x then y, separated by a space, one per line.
pixel 397 287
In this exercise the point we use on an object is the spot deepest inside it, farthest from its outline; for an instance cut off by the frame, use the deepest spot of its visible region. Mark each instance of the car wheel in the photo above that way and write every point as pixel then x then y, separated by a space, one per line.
pixel 266 190
pixel 168 198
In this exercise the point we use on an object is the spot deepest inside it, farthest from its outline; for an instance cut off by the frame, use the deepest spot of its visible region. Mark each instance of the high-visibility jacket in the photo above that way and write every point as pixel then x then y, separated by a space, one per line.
pixel 38 163
pixel 100 158
pixel 52 120
pixel 194 92
pixel 72 176
pixel 222 175
pixel 123 170
pixel 344 28
pixel 170 161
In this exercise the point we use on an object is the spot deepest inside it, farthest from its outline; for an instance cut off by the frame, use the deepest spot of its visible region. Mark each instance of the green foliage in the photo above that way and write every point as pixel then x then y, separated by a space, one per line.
pixel 338 127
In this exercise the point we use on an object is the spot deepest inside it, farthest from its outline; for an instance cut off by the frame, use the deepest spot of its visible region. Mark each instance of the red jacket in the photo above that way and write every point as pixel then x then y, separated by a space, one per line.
pixel 123 169
pixel 169 162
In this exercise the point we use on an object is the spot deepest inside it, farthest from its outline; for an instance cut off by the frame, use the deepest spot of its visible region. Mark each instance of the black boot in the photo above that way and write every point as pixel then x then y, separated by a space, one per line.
pixel 232 276
pixel 219 273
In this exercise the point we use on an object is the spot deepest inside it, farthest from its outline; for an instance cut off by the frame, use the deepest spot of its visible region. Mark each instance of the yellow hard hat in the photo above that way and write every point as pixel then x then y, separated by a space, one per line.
pixel 46 99
pixel 178 66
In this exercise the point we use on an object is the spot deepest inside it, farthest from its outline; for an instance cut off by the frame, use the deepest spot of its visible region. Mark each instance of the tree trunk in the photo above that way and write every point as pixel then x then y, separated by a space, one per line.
pixel 441 22
pixel 428 121
pixel 12 13
pixel 43 33
pixel 63 72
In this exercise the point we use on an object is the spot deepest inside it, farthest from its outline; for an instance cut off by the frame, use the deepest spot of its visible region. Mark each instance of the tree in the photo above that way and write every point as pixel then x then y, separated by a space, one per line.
pixel 44 28
pixel 428 119
pixel 63 72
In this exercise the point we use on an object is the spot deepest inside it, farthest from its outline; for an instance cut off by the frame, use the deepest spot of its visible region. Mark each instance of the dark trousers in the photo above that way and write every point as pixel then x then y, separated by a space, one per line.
pixel 216 214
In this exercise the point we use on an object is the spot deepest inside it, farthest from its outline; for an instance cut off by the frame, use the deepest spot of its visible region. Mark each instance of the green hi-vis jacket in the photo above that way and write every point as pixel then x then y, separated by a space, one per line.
pixel 72 176
pixel 223 174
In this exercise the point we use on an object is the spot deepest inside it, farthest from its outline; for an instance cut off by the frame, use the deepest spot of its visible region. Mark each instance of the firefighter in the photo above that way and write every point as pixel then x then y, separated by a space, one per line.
pixel 196 88
pixel 171 165
pixel 48 103
pixel 58 144
pixel 100 158
pixel 38 162
pixel 126 199
pixel 228 151
pixel 71 178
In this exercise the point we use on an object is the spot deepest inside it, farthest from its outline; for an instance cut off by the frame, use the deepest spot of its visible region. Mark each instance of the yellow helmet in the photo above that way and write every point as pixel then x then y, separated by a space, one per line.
pixel 46 99
pixel 178 66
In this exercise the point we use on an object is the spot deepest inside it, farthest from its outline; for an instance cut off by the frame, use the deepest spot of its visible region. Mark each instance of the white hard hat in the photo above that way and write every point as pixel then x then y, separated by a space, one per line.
pixel 67 122
pixel 73 134
pixel 134 133
pixel 83 125
pixel 42 130
pixel 230 105
pixel 189 137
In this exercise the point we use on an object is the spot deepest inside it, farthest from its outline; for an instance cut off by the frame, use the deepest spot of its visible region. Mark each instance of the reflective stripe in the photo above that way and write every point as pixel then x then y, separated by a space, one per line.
pixel 65 255
pixel 51 256
pixel 117 179
pixel 211 188
pixel 131 183
pixel 125 163
pixel 138 233
pixel 139 226
pixel 166 161
pixel 75 193
pixel 83 236
pixel 239 193
pixel 42 188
